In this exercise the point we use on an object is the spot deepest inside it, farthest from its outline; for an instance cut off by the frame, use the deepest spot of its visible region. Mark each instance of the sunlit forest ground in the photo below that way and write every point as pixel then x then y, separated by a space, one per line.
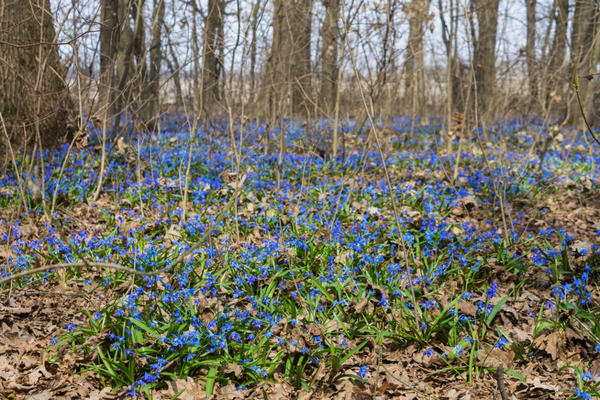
pixel 303 276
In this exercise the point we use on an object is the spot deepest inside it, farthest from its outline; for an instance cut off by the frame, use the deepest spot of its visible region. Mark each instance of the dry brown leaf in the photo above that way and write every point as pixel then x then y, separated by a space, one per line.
pixel 44 395
pixel 191 390
pixel 467 308
pixel 550 344
pixel 494 357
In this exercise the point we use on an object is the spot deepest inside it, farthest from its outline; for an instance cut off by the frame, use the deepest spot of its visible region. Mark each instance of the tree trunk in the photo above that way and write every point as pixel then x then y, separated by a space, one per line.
pixel 152 96
pixel 210 56
pixel 329 56
pixel 299 22
pixel 254 28
pixel 414 63
pixel 287 76
pixel 125 66
pixel 484 57
pixel 109 34
pixel 530 49
pixel 140 72
pixel 22 30
pixel 554 85
pixel 584 57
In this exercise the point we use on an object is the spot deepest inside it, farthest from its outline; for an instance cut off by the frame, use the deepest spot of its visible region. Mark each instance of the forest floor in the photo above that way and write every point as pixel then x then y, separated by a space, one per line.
pixel 298 280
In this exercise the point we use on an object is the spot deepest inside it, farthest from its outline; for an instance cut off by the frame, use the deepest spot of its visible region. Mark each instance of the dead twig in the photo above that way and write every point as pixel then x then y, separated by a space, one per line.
pixel 500 380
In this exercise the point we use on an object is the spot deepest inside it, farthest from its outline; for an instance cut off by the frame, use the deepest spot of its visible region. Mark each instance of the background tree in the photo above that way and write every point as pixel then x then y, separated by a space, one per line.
pixel 212 57
pixel 287 76
pixel 34 95
pixel 414 63
pixel 329 56
pixel 530 57
pixel 585 53
pixel 556 78
pixel 483 36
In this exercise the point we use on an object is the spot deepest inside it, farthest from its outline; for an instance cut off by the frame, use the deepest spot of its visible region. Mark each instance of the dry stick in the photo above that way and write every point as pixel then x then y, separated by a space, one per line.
pixel 500 380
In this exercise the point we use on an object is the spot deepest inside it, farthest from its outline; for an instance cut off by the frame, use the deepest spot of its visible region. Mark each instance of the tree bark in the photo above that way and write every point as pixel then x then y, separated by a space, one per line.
pixel 300 23
pixel 287 76
pixel 530 49
pixel 23 29
pixel 484 57
pixel 556 65
pixel 254 28
pixel 109 33
pixel 124 63
pixel 584 57
pixel 211 54
pixel 152 92
pixel 329 56
pixel 414 63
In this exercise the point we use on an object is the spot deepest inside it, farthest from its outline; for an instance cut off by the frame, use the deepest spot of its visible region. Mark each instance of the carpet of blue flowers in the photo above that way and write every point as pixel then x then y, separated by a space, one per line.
pixel 303 279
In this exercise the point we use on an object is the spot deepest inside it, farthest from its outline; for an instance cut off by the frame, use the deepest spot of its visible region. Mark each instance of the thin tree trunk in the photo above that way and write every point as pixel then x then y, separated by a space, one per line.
pixel 153 96
pixel 299 23
pixel 484 57
pixel 555 82
pixel 584 57
pixel 210 56
pixel 414 64
pixel 253 28
pixel 530 49
pixel 329 57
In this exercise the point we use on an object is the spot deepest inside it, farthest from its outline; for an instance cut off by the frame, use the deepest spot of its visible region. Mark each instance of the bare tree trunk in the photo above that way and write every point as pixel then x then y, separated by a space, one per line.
pixel 211 56
pixel 329 56
pixel 530 49
pixel 175 69
pixel 387 52
pixel 23 29
pixel 253 28
pixel 584 57
pixel 484 57
pixel 124 62
pixel 414 64
pixel 287 76
pixel 449 39
pixel 109 33
pixel 152 95
pixel 556 82
pixel 139 79
pixel 196 94
pixel 299 22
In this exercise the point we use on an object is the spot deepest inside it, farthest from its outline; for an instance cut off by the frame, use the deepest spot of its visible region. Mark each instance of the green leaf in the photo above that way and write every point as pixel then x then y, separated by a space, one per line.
pixel 352 352
pixel 516 375
pixel 210 381
pixel 107 364
pixel 495 310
